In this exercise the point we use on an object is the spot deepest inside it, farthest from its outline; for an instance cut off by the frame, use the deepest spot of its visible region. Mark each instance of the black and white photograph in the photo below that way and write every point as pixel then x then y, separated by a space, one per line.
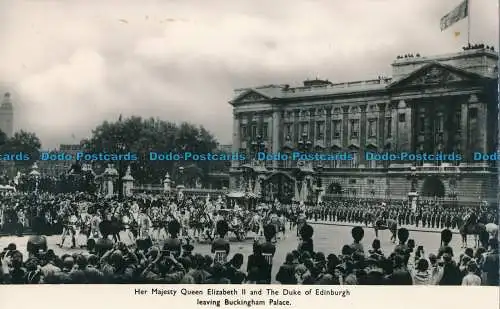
pixel 305 142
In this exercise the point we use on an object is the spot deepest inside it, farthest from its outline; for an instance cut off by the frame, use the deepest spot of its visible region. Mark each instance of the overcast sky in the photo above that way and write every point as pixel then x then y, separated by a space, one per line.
pixel 72 64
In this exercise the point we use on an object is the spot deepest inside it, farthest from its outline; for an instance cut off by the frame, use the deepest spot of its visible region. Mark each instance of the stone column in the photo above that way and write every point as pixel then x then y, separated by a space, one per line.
pixel 482 119
pixel 328 129
pixel 362 136
pixel 345 127
pixel 465 131
pixel 404 129
pixel 381 125
pixel 236 138
pixel 276 125
pixel 394 111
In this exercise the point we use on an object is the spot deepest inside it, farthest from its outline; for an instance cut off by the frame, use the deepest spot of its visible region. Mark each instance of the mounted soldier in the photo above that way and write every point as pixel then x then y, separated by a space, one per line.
pixel 471 226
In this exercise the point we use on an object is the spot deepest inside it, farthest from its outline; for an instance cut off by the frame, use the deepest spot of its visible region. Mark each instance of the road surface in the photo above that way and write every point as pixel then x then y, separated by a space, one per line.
pixel 327 239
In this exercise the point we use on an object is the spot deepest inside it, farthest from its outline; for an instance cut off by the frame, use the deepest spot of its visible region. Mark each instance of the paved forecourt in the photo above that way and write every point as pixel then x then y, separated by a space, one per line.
pixel 327 239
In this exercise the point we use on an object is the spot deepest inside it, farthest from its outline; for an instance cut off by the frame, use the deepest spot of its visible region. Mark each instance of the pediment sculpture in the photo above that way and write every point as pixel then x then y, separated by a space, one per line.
pixel 252 97
pixel 436 76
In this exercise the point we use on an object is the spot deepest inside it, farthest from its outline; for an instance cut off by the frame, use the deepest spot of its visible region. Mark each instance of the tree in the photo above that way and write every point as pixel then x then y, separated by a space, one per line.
pixel 142 136
pixel 23 142
pixel 3 138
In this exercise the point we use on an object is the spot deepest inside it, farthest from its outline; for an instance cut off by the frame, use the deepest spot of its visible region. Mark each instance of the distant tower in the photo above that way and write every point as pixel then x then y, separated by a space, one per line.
pixel 7 116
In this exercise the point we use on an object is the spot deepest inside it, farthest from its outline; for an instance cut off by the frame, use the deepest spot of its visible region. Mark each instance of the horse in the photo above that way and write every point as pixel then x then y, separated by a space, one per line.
pixel 471 226
pixel 386 224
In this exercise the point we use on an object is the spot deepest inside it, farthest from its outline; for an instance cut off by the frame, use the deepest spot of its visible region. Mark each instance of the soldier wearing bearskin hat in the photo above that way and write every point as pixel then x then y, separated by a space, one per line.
pixel 357 234
pixel 37 244
pixel 306 234
pixel 403 235
pixel 103 244
pixel 187 249
pixel 268 248
pixel 446 236
pixel 173 244
pixel 221 246
pixel 301 221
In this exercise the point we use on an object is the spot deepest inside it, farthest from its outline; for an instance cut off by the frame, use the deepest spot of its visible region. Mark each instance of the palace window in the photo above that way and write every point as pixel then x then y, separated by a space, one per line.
pixel 402 117
pixel 440 123
pixel 243 132
pixel 289 130
pixel 458 120
pixel 320 130
pixel 304 129
pixel 352 181
pixel 354 128
pixel 355 160
pixel 337 128
pixel 265 130
pixel 388 121
pixel 421 124
pixel 372 128
pixel 372 164
pixel 254 131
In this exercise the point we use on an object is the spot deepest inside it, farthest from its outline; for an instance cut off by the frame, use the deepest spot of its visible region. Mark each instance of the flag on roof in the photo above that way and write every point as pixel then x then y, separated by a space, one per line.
pixel 457 14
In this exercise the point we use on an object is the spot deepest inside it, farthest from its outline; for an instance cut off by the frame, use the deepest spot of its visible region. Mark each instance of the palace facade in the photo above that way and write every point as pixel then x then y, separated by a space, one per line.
pixel 442 104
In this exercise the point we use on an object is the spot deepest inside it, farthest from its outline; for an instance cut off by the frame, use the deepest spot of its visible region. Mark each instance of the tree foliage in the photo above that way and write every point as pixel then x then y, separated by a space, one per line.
pixel 142 136
pixel 22 142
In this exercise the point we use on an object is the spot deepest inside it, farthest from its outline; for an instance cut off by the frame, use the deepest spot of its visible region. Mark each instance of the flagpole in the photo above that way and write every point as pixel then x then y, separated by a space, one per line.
pixel 468 22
